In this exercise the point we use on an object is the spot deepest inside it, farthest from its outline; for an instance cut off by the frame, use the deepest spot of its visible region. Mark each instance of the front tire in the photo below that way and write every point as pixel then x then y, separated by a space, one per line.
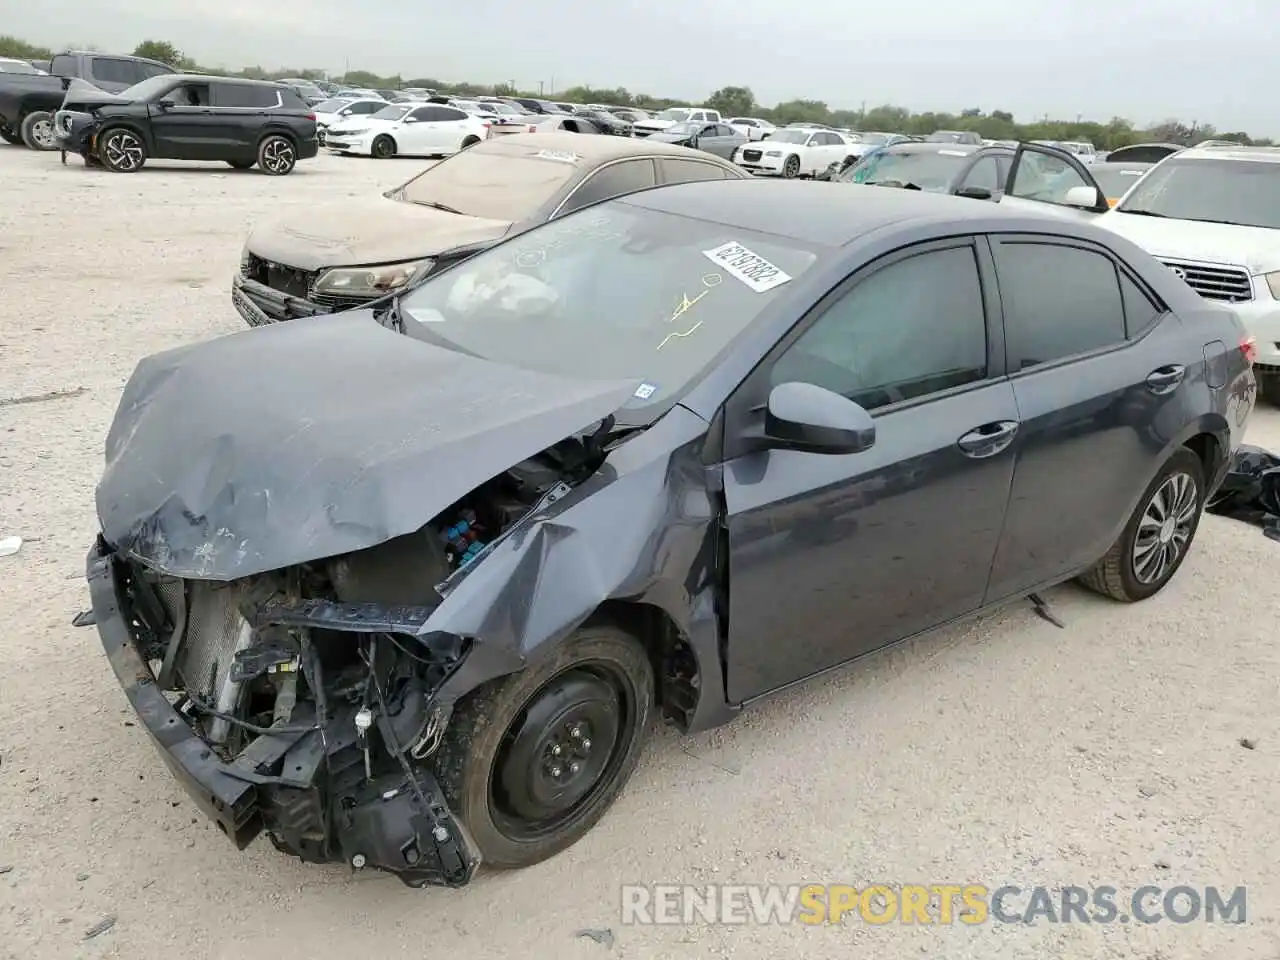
pixel 1158 535
pixel 531 762
pixel 382 148
pixel 37 131
pixel 277 156
pixel 121 150
pixel 241 164
pixel 9 136
pixel 791 168
pixel 470 142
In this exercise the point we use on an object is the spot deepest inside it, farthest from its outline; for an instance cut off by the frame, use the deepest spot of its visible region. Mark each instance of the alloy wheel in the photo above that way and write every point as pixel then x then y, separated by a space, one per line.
pixel 1165 528
pixel 123 151
pixel 277 155
pixel 44 135
pixel 792 167
pixel 561 752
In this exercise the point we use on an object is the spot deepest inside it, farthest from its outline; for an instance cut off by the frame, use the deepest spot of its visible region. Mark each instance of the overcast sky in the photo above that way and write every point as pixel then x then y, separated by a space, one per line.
pixel 1212 62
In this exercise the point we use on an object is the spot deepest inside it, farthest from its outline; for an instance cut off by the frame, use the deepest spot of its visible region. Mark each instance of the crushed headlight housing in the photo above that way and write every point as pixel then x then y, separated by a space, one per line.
pixel 1273 284
pixel 370 281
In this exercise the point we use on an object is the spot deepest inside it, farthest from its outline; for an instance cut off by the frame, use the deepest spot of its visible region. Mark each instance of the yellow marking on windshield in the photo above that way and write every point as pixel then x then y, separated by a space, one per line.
pixel 681 309
pixel 674 336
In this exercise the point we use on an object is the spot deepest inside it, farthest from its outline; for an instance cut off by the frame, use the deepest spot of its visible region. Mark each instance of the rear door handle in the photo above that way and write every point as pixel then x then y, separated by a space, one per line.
pixel 1166 379
pixel 988 439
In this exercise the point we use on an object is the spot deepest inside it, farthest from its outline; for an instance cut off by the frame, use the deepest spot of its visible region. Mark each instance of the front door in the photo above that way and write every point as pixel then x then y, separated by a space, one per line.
pixel 1094 365
pixel 833 556
pixel 1053 181
pixel 188 129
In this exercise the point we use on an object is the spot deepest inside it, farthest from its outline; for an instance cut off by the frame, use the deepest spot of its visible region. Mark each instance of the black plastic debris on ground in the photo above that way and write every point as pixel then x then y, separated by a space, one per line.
pixel 1251 491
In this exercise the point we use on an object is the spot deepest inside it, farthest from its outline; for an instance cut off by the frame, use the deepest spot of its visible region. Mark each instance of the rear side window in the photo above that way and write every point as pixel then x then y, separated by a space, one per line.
pixel 63 66
pixel 111 70
pixel 149 70
pixel 686 171
pixel 1059 301
pixel 1139 312
pixel 364 107
pixel 612 181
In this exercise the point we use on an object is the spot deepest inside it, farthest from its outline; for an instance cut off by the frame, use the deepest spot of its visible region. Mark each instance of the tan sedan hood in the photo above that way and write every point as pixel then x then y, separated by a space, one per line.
pixel 368 231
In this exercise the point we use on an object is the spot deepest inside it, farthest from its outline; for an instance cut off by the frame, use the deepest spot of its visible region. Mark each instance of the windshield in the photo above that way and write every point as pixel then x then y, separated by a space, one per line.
pixel 615 291
pixel 687 127
pixel 392 111
pixel 790 136
pixel 148 89
pixel 16 66
pixel 497 179
pixel 674 113
pixel 1244 192
pixel 504 109
pixel 330 106
pixel 877 138
pixel 1116 181
pixel 929 170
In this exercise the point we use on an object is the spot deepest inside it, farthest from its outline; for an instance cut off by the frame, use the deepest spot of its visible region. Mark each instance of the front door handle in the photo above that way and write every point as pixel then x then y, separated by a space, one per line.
pixel 1166 379
pixel 988 439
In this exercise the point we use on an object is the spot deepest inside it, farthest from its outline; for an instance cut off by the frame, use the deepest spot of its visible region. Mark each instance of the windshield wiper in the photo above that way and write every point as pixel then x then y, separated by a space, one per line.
pixel 895 183
pixel 1230 223
pixel 1146 213
pixel 439 206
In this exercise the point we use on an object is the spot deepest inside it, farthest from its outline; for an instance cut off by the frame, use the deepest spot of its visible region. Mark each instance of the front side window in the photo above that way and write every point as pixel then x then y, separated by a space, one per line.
pixel 909 329
pixel 618 291
pixel 985 175
pixel 1243 192
pixel 1045 177
pixel 1059 301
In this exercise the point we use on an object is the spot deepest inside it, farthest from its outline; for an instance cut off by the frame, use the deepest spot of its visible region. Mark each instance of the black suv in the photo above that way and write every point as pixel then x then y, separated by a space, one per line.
pixel 187 117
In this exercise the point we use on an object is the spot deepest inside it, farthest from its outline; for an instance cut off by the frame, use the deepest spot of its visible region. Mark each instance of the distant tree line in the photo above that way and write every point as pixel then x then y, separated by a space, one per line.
pixel 730 101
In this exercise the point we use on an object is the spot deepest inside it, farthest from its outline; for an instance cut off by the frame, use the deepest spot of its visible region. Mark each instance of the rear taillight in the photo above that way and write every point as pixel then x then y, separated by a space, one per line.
pixel 311 116
pixel 1249 347
pixel 533 128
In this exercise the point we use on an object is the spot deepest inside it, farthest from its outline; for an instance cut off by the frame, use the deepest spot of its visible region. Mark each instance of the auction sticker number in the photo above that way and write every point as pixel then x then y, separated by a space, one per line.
pixel 751 268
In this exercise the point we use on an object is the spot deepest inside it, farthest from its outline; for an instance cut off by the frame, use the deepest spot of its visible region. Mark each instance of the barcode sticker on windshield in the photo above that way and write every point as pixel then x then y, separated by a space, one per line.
pixel 752 269
pixel 563 156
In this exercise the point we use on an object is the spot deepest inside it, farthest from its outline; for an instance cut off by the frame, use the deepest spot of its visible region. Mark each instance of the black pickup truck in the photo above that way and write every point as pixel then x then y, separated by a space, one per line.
pixel 28 102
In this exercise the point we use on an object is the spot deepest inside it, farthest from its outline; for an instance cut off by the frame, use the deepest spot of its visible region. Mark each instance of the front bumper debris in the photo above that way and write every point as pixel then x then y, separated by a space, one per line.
pixel 260 305
pixel 280 782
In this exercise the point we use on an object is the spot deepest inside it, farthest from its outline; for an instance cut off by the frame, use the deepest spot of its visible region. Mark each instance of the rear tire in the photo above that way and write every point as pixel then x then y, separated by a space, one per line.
pixel 37 131
pixel 382 148
pixel 518 764
pixel 1158 535
pixel 277 155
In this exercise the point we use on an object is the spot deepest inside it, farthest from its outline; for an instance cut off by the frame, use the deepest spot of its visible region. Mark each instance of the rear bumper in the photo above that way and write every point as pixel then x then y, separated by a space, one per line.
pixel 387 830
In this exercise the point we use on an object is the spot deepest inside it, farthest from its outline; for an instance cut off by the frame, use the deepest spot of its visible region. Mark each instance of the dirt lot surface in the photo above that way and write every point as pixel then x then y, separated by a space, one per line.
pixel 1003 751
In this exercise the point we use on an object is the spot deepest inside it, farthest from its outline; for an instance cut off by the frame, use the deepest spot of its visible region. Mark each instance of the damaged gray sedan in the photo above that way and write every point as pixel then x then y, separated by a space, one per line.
pixel 402 588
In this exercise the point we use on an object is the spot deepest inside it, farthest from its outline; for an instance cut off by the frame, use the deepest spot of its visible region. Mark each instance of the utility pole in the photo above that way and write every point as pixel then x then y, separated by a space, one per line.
pixel 553 84
pixel 541 85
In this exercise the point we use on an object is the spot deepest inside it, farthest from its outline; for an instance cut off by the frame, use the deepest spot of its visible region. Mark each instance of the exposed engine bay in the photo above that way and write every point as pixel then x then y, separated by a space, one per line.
pixel 313 692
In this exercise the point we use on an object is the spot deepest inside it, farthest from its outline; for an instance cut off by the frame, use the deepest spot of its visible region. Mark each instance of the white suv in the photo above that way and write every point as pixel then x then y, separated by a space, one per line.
pixel 1212 216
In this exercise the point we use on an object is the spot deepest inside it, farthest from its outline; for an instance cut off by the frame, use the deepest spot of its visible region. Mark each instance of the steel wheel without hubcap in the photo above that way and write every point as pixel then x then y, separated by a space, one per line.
pixel 123 151
pixel 38 132
pixel 276 156
pixel 1165 528
pixel 791 168
pixel 559 751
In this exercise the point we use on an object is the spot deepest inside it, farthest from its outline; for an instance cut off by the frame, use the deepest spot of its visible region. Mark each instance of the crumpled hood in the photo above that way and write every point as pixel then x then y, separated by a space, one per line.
pixel 665 136
pixel 366 231
pixel 1255 248
pixel 300 441
pixel 655 124
pixel 83 95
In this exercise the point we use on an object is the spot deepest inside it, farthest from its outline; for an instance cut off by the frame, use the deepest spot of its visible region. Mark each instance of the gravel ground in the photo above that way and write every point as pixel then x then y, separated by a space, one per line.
pixel 1002 751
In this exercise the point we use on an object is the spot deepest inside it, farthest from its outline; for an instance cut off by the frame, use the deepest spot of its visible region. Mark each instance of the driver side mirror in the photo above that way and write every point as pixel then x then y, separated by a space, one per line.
pixel 410 119
pixel 803 416
pixel 165 104
pixel 345 113
pixel 974 193
pixel 1085 197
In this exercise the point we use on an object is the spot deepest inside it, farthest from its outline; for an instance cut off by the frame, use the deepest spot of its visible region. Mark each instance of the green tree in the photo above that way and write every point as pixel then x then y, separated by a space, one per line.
pixel 21 50
pixel 161 50
pixel 733 101
pixel 801 111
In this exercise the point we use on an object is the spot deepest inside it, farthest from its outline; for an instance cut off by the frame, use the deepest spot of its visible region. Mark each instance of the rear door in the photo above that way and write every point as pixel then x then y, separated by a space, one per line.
pixel 1052 181
pixel 239 114
pixel 719 139
pixel 1094 361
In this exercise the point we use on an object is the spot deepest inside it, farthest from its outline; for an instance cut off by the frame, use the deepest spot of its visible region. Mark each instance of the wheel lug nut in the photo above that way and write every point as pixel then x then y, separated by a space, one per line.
pixel 556 771
pixel 555 750
pixel 575 732
pixel 574 768
pixel 586 744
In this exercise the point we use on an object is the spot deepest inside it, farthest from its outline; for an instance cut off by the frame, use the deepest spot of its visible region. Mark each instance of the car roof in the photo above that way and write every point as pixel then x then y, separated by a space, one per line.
pixel 239 81
pixel 1121 165
pixel 600 149
pixel 938 146
pixel 1255 154
pixel 835 215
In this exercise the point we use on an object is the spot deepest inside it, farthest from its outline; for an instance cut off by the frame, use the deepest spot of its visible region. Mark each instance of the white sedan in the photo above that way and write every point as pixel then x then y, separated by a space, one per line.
pixel 408 130
pixel 794 152
pixel 751 127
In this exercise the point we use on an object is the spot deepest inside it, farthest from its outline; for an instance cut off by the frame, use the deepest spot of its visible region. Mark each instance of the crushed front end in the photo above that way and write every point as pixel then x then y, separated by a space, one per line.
pixel 284 710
